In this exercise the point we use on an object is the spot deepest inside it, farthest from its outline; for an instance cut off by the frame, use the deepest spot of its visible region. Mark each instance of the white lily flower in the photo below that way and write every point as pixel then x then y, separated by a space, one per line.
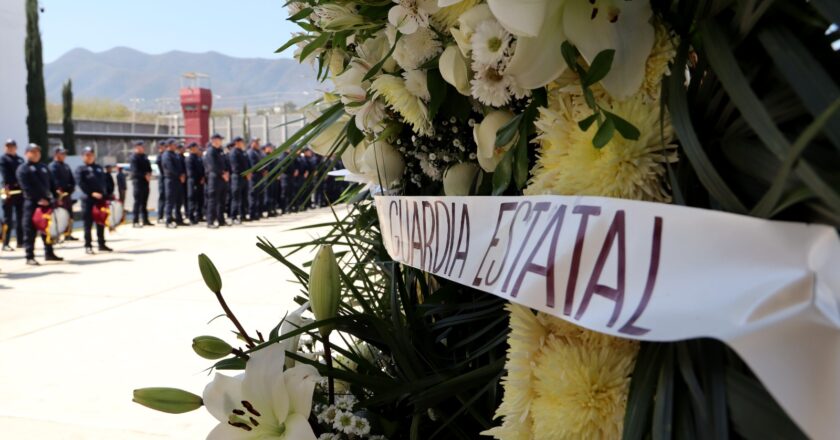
pixel 294 321
pixel 488 154
pixel 409 15
pixel 322 143
pixel 467 24
pixel 352 158
pixel 265 402
pixel 459 179
pixel 445 3
pixel 454 70
pixel 382 164
pixel 591 25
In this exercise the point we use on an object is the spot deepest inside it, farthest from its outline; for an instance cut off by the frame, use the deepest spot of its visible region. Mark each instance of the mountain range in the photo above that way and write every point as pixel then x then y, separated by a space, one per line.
pixel 122 74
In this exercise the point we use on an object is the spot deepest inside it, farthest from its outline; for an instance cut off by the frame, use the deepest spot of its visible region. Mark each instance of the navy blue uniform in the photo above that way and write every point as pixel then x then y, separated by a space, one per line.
pixel 214 168
pixel 62 182
pixel 195 184
pixel 182 202
pixel 121 185
pixel 256 193
pixel 283 185
pixel 34 180
pixel 238 184
pixel 271 194
pixel 173 171
pixel 93 179
pixel 9 164
pixel 161 209
pixel 141 167
pixel 226 195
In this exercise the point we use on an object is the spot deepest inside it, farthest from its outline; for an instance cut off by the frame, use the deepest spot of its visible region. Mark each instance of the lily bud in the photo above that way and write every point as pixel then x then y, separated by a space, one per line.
pixel 489 155
pixel 211 347
pixel 324 286
pixel 324 142
pixel 337 17
pixel 211 276
pixel 382 164
pixel 168 400
pixel 459 178
pixel 454 70
pixel 352 157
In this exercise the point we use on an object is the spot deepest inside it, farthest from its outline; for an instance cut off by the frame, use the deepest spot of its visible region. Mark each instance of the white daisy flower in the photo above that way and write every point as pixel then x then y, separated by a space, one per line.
pixel 490 44
pixel 490 87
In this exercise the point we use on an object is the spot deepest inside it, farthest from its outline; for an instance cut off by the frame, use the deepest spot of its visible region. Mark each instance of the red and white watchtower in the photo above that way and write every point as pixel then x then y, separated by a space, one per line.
pixel 196 103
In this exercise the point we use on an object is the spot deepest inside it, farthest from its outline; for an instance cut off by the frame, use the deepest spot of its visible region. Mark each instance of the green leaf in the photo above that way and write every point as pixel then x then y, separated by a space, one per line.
pixel 502 174
pixel 505 134
pixel 681 121
pixel 624 127
pixel 234 363
pixel 570 54
pixel 600 67
pixel 587 122
pixel 754 412
pixel 642 390
pixel 292 41
pixel 520 168
pixel 313 45
pixel 354 135
pixel 303 13
pixel 604 134
pixel 210 274
pixel 438 89
pixel 663 409
pixel 378 66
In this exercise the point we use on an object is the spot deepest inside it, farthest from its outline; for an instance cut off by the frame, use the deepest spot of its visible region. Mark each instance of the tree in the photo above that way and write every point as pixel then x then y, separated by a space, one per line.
pixel 69 137
pixel 246 123
pixel 36 95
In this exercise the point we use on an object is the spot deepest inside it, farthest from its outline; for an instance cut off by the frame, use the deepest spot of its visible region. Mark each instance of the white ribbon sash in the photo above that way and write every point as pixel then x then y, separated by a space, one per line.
pixel 649 271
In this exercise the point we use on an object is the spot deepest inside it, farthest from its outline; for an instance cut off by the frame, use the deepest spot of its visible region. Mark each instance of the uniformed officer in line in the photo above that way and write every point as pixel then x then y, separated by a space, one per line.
pixel 256 194
pixel 238 181
pixel 316 185
pixel 161 208
pixel 283 187
pixel 227 193
pixel 216 178
pixel 195 183
pixel 63 185
pixel 93 181
pixel 174 174
pixel 13 199
pixel 182 206
pixel 34 180
pixel 271 196
pixel 141 174
pixel 121 184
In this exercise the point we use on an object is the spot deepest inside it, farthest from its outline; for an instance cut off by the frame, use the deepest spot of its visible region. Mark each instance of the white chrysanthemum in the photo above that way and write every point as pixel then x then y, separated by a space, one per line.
pixel 416 83
pixel 361 426
pixel 430 170
pixel 413 50
pixel 412 109
pixel 490 44
pixel 491 88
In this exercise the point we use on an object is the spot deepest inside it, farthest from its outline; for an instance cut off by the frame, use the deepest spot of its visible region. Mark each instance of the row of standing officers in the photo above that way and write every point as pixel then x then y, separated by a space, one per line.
pixel 235 182
pixel 211 184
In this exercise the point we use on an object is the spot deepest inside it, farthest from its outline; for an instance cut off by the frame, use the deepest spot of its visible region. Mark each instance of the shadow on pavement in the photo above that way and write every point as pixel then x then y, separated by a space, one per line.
pixel 92 262
pixel 142 251
pixel 27 275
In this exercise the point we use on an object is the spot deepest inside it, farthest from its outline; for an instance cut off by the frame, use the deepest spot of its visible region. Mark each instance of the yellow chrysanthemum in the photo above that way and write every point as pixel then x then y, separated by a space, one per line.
pixel 569 164
pixel 400 99
pixel 663 52
pixel 563 381
pixel 447 17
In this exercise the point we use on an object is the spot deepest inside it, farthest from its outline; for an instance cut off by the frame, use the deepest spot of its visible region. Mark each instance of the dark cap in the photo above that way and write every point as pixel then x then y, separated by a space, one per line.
pixel 60 150
pixel 171 141
pixel 192 144
pixel 11 142
pixel 217 136
pixel 33 147
pixel 139 143
pixel 87 150
pixel 161 143
pixel 238 139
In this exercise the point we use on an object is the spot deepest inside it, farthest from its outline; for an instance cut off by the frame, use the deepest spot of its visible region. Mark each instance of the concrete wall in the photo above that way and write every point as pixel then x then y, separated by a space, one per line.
pixel 12 71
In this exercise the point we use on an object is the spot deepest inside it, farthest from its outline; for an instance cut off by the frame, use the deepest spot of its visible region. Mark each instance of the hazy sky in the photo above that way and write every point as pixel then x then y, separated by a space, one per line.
pixel 240 28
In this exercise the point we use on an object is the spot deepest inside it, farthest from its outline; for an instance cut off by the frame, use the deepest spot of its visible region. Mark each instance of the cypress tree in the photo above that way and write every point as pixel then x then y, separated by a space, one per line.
pixel 246 126
pixel 36 95
pixel 69 137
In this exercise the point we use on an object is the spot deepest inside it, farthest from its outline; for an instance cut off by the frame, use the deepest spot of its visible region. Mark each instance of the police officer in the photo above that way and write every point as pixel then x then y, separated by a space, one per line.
pixel 226 187
pixel 216 177
pixel 13 202
pixel 63 185
pixel 182 206
pixel 161 209
pixel 141 174
pixel 256 194
pixel 195 183
pixel 121 184
pixel 238 181
pixel 272 188
pixel 283 187
pixel 93 182
pixel 174 173
pixel 34 179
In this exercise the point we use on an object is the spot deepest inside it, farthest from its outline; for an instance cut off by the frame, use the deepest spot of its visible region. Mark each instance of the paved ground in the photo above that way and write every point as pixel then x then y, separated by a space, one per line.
pixel 77 337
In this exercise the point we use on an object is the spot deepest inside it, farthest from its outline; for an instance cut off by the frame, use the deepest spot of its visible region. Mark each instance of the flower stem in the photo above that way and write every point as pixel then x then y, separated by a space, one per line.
pixel 330 380
pixel 232 317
